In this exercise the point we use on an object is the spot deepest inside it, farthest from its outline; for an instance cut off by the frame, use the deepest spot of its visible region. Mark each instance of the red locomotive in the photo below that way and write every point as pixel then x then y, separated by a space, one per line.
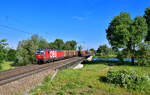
pixel 48 55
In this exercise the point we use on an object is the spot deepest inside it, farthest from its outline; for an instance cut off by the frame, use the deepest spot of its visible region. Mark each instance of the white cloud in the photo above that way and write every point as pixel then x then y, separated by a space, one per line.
pixel 78 18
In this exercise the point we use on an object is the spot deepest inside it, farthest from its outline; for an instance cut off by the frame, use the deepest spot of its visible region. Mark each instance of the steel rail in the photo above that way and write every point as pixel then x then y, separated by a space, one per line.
pixel 56 65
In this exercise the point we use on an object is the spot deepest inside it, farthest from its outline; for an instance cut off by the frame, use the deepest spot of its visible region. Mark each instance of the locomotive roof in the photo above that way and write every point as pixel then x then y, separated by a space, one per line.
pixel 44 49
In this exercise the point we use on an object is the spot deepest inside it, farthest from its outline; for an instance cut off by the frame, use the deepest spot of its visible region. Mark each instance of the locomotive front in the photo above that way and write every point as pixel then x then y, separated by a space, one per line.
pixel 40 56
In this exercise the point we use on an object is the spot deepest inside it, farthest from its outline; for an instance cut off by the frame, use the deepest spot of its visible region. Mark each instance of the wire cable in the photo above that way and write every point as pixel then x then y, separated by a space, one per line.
pixel 16 29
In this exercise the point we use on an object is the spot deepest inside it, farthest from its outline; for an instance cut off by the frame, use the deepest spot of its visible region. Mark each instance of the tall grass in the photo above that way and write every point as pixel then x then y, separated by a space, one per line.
pixel 85 81
pixel 6 66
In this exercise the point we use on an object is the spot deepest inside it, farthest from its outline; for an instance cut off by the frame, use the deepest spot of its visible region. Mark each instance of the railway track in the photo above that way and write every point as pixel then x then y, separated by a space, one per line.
pixel 20 72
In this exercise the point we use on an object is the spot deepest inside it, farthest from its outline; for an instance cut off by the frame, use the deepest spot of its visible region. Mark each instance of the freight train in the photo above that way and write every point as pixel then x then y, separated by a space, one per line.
pixel 49 55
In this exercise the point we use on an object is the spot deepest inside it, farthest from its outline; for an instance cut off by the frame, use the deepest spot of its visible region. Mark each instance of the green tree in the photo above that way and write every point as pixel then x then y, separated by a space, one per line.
pixel 102 49
pixel 58 44
pixel 70 45
pixel 105 50
pixel 26 50
pixel 80 48
pixel 3 51
pixel 35 38
pixel 125 33
pixel 147 17
pixel 43 43
pixel 92 49
pixel 142 54
pixel 11 55
pixel 51 45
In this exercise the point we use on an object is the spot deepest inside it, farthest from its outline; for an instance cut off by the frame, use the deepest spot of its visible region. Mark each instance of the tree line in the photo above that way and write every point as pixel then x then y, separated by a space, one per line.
pixel 105 51
pixel 25 52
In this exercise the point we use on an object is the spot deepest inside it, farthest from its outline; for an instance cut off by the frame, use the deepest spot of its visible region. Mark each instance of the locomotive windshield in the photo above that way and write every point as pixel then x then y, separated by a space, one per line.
pixel 39 52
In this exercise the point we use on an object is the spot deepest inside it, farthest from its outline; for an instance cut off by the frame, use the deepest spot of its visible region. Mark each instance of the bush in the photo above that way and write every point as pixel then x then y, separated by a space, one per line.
pixel 127 79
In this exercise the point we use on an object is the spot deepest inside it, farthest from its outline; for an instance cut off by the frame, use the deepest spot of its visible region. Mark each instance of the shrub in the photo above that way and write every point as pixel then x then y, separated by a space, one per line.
pixel 127 79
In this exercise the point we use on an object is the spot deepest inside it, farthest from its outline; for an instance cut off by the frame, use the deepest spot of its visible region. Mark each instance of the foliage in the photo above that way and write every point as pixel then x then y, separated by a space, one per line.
pixel 147 17
pixel 43 43
pixel 58 44
pixel 120 56
pixel 119 30
pixel 11 55
pixel 26 50
pixel 80 48
pixel 127 79
pixel 92 49
pixel 125 33
pixel 3 51
pixel 105 50
pixel 143 54
pixel 124 53
pixel 102 48
pixel 51 46
pixel 70 45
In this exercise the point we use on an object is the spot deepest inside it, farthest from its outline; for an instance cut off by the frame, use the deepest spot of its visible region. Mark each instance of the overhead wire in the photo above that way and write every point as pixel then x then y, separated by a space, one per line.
pixel 13 28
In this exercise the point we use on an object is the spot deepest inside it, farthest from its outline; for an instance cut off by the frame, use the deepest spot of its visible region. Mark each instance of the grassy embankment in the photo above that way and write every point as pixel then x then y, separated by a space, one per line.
pixel 6 66
pixel 86 81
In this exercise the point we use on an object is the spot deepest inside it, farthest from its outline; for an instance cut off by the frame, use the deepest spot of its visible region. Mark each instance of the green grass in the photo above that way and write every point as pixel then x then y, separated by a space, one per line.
pixel 106 56
pixel 140 69
pixel 6 66
pixel 86 81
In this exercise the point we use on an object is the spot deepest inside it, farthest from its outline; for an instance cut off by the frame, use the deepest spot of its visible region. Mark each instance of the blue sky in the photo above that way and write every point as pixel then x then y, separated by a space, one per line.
pixel 82 20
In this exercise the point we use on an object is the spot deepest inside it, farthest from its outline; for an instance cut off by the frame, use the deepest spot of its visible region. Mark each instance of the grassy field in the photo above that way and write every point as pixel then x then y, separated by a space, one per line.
pixel 6 66
pixel 106 56
pixel 86 81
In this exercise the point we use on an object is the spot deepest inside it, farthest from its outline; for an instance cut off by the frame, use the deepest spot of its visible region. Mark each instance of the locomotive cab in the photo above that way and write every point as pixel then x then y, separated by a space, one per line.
pixel 40 56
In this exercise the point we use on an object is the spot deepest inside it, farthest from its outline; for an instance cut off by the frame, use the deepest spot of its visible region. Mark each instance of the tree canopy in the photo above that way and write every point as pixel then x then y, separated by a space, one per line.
pixel 147 17
pixel 70 45
pixel 102 49
pixel 58 44
pixel 105 50
pixel 123 32
pixel 80 48
pixel 3 51
pixel 43 43
pixel 26 50
pixel 11 55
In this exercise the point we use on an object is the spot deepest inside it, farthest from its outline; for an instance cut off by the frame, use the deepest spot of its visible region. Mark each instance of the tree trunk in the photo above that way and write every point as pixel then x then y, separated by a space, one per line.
pixel 132 60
